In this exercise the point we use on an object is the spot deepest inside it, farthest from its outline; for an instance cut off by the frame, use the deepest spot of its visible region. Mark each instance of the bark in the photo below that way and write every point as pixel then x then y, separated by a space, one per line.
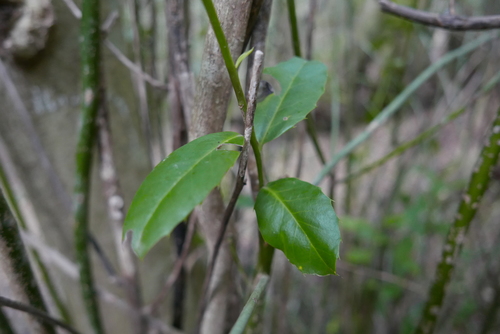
pixel 208 115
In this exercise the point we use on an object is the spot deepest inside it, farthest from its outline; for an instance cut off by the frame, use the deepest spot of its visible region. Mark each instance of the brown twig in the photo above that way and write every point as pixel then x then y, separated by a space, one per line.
pixel 240 181
pixel 445 21
pixel 44 317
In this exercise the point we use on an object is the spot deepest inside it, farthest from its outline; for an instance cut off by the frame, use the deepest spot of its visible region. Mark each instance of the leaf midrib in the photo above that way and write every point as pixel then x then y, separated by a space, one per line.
pixel 278 198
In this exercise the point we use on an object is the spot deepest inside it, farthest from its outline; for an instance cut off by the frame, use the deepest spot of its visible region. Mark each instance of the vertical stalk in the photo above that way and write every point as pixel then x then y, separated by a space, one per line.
pixel 90 57
pixel 478 184
pixel 293 27
pixel 6 172
pixel 16 263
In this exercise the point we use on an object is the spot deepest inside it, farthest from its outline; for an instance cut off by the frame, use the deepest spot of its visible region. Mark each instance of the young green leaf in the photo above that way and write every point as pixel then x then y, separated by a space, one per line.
pixel 176 185
pixel 302 83
pixel 242 57
pixel 297 218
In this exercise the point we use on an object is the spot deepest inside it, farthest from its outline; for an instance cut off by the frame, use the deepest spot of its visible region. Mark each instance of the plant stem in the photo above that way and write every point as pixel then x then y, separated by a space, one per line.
pixel 16 264
pixel 294 29
pixel 235 80
pixel 468 206
pixel 90 57
pixel 246 313
pixel 15 208
pixel 405 146
pixel 43 316
pixel 397 103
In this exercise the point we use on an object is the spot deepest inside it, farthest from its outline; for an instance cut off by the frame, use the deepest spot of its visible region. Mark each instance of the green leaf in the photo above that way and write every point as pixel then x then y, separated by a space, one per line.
pixel 176 185
pixel 302 84
pixel 297 218
pixel 242 57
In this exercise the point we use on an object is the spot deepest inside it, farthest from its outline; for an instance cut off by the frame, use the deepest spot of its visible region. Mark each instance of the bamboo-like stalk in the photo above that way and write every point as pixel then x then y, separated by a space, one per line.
pixel 90 58
pixel 478 184
pixel 397 103
pixel 16 263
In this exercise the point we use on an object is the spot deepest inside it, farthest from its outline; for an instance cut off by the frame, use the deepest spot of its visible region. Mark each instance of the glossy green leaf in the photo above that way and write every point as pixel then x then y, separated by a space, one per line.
pixel 297 218
pixel 176 185
pixel 302 83
pixel 242 57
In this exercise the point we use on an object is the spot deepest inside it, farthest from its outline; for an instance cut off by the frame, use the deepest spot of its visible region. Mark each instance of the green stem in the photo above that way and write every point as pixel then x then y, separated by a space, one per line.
pixel 398 102
pixel 311 130
pixel 90 57
pixel 405 146
pixel 478 184
pixel 10 197
pixel 16 262
pixel 294 29
pixel 246 313
pixel 235 80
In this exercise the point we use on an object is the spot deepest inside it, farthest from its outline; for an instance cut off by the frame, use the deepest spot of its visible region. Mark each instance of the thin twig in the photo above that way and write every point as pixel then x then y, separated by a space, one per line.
pixel 240 180
pixel 106 263
pixel 134 68
pixel 451 22
pixel 178 265
pixel 37 313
